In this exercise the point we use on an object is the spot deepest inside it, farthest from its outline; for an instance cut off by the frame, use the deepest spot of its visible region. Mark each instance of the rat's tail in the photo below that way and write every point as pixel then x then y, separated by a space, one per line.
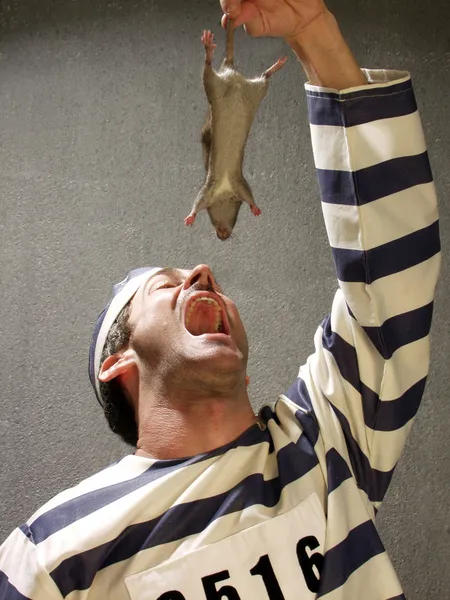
pixel 229 58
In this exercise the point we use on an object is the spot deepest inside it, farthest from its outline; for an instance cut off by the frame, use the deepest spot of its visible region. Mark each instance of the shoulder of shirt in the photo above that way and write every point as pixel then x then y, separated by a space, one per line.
pixel 130 466
pixel 103 478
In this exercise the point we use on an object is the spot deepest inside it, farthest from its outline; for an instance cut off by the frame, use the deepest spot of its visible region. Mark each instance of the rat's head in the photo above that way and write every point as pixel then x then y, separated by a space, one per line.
pixel 223 216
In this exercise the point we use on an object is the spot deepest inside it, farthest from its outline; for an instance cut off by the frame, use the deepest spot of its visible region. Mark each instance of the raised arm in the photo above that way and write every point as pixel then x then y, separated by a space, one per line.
pixel 366 378
pixel 379 204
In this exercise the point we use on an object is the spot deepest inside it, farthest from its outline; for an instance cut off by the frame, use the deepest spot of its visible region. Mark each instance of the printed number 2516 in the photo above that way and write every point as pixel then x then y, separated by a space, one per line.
pixel 263 568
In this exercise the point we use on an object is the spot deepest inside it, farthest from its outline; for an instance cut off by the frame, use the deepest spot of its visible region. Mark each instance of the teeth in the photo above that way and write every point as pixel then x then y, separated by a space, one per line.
pixel 213 303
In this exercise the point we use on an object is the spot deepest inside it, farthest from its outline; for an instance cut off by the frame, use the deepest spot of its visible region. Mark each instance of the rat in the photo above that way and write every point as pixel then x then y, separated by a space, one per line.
pixel 233 101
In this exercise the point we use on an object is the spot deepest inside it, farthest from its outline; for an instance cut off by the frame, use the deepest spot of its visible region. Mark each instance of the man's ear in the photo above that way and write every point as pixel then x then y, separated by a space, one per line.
pixel 116 364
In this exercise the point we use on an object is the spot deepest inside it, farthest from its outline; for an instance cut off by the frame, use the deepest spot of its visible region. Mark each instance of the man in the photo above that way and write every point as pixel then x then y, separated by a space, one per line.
pixel 217 503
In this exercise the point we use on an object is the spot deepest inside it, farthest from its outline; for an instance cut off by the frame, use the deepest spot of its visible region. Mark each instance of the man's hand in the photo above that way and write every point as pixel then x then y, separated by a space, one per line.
pixel 311 31
pixel 274 18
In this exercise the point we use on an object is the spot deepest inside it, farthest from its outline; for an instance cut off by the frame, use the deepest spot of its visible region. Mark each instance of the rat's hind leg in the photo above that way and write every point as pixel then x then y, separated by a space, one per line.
pixel 202 201
pixel 280 63
pixel 246 194
pixel 208 41
pixel 211 81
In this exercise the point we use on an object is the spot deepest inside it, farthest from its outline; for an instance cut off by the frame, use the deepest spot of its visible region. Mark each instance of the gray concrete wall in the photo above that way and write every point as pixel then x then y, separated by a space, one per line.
pixel 101 105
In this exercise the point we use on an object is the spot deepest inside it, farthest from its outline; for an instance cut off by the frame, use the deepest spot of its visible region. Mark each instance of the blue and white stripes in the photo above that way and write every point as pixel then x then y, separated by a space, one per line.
pixel 380 210
pixel 339 430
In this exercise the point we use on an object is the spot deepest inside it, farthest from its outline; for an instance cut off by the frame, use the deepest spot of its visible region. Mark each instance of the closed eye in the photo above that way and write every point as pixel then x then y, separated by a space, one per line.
pixel 165 285
pixel 169 284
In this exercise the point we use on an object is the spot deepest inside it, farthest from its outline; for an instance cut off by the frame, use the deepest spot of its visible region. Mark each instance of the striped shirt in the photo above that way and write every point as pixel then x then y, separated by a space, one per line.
pixel 287 510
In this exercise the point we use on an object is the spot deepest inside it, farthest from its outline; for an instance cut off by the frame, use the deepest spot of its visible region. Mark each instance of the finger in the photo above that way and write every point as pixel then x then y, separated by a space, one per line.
pixel 224 21
pixel 231 7
pixel 252 19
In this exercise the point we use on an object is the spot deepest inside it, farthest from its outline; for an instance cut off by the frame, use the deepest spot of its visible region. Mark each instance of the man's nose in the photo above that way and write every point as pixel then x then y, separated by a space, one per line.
pixel 202 275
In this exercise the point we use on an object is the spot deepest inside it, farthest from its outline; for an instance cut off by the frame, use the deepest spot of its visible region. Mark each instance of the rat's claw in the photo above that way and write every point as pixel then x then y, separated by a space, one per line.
pixel 189 220
pixel 255 210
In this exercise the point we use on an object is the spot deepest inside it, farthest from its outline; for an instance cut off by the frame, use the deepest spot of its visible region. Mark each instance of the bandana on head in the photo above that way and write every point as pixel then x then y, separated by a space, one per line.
pixel 121 294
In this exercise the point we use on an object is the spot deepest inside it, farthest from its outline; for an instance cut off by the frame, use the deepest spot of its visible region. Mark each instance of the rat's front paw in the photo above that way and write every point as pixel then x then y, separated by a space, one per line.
pixel 255 210
pixel 189 220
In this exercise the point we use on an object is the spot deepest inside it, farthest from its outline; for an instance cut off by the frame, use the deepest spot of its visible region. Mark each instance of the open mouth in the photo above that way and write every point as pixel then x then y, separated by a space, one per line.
pixel 204 314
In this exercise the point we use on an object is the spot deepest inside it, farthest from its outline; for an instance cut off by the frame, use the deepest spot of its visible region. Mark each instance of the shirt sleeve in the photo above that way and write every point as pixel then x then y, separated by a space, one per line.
pixel 366 377
pixel 22 574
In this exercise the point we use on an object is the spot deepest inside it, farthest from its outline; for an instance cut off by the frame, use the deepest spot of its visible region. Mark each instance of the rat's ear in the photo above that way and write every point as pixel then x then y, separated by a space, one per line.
pixel 116 364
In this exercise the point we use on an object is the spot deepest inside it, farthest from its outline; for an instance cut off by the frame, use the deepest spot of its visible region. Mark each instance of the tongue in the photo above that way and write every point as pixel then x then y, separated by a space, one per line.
pixel 202 320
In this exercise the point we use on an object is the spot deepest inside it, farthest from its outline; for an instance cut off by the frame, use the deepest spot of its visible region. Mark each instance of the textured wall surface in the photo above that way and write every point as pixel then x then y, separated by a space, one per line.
pixel 101 106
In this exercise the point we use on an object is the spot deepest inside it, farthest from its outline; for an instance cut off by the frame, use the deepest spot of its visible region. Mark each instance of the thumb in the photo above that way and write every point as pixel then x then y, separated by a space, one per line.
pixel 245 13
pixel 231 7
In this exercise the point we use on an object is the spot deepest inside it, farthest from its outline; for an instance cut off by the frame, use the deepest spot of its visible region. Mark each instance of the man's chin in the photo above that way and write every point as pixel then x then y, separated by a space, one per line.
pixel 217 350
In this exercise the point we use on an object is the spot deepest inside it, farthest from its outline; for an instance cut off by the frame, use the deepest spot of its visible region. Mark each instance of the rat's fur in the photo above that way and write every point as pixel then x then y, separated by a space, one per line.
pixel 233 101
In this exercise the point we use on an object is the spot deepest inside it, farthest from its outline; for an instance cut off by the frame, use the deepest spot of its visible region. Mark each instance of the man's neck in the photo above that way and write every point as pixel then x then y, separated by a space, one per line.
pixel 191 423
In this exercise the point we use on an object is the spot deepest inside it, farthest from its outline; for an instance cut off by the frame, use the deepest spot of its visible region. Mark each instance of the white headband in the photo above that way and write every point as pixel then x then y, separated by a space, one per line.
pixel 120 300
